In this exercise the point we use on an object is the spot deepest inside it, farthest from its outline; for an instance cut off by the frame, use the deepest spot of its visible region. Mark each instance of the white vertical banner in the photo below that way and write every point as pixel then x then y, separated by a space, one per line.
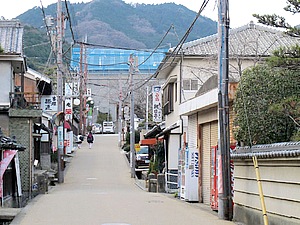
pixel 69 141
pixel 68 89
pixel 68 108
pixel 60 137
pixel 76 89
pixel 157 101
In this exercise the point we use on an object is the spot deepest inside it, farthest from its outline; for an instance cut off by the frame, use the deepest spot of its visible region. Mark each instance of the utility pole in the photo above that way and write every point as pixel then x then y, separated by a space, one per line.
pixel 81 90
pixel 120 114
pixel 132 132
pixel 147 108
pixel 85 74
pixel 60 87
pixel 225 196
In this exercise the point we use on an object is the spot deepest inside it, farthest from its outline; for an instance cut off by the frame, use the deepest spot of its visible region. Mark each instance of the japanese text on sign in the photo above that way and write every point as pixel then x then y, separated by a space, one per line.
pixel 49 103
pixel 157 109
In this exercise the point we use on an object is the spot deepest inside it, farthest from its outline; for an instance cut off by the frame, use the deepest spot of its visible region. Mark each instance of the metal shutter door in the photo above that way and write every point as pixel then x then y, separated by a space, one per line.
pixel 214 133
pixel 206 163
pixel 192 131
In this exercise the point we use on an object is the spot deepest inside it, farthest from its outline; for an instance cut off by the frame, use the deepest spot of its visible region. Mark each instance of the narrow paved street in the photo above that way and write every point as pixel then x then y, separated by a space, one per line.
pixel 98 190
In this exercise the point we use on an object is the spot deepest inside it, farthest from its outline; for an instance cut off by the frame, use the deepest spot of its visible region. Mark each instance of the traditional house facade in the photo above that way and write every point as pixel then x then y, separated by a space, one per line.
pixel 20 115
pixel 198 108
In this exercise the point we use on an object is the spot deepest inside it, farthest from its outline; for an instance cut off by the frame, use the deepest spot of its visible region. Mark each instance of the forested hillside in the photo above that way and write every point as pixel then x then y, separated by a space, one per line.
pixel 117 24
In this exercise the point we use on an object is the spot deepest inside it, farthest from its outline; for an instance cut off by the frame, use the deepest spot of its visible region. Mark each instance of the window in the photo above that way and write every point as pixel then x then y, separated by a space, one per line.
pixel 190 85
pixel 168 99
pixel 175 91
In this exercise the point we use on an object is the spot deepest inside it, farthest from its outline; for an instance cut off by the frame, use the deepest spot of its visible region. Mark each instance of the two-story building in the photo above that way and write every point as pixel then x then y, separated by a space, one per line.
pixel 190 95
pixel 20 115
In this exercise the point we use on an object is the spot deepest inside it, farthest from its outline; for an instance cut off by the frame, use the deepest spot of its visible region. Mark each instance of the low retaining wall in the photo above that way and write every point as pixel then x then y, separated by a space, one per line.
pixel 279 170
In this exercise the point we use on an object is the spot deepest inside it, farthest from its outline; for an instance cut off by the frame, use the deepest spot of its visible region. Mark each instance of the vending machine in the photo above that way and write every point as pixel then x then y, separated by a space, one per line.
pixel 191 174
pixel 215 170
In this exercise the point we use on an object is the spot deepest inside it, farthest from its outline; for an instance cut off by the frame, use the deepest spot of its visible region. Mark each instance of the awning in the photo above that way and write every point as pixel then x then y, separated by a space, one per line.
pixel 155 130
pixel 168 129
pixel 43 127
pixel 150 141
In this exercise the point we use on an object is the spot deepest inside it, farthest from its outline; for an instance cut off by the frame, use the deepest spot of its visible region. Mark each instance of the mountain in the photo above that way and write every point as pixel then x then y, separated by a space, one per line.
pixel 116 23
pixel 121 25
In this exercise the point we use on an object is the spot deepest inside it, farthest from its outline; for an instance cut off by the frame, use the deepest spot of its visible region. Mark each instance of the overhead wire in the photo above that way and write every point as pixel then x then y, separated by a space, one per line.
pixel 178 47
pixel 70 21
pixel 157 46
pixel 50 38
pixel 173 54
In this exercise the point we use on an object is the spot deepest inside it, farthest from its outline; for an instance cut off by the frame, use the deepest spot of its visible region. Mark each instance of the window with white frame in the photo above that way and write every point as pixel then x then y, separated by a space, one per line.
pixel 190 84
pixel 168 99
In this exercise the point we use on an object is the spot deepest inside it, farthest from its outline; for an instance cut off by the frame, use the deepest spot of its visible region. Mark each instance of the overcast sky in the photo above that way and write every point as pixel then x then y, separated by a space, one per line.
pixel 240 11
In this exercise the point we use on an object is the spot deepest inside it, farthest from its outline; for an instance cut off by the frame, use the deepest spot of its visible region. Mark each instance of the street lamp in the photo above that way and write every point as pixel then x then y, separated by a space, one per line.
pixel 76 101
pixel 90 108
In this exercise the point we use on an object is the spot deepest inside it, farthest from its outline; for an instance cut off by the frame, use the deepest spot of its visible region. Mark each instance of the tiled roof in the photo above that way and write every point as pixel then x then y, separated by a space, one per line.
pixel 249 40
pixel 11 36
pixel 276 150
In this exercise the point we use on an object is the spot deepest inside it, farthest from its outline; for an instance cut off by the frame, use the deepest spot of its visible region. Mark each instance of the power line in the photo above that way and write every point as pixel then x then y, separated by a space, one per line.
pixel 70 21
pixel 179 45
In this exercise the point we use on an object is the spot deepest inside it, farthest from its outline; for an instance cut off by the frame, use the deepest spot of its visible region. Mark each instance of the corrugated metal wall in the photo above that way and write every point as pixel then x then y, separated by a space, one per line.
pixel 209 138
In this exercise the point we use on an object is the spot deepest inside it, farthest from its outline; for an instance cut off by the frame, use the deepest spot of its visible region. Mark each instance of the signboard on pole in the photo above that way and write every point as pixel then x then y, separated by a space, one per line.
pixel 68 89
pixel 68 109
pixel 69 142
pixel 157 102
pixel 88 92
pixel 60 137
pixel 49 103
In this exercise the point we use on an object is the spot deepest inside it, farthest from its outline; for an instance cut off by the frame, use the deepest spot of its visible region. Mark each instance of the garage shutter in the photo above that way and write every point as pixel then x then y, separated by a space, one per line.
pixel 192 131
pixel 209 138
pixel 214 133
pixel 206 161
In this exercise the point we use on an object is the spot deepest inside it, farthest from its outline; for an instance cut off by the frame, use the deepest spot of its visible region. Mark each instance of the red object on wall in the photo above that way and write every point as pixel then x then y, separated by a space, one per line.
pixel 214 179
pixel 214 176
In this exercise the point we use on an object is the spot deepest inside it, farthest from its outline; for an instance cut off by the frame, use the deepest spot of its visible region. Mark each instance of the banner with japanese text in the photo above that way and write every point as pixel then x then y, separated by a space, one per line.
pixel 157 102
pixel 49 103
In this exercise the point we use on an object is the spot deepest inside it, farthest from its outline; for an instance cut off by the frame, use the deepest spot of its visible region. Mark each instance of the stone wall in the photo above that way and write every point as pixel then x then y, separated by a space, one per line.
pixel 21 126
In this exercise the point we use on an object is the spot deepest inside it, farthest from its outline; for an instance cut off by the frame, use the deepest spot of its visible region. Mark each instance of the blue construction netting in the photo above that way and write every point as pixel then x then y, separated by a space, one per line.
pixel 109 60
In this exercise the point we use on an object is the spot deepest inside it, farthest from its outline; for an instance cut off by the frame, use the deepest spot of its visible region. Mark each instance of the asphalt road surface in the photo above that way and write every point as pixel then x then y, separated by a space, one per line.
pixel 98 190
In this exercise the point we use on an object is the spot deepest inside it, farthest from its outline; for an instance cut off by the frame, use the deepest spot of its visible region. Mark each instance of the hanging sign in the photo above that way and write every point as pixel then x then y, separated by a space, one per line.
pixel 157 109
pixel 49 103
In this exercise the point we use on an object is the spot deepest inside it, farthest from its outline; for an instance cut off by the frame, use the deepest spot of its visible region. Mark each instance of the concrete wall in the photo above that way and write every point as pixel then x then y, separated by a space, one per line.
pixel 6 83
pixel 4 123
pixel 280 181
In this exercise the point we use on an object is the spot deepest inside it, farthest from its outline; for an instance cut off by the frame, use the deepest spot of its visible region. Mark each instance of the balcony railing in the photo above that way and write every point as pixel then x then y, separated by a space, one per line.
pixel 25 100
